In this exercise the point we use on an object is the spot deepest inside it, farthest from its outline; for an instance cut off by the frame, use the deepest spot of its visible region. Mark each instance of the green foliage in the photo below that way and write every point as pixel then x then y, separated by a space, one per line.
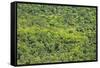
pixel 48 34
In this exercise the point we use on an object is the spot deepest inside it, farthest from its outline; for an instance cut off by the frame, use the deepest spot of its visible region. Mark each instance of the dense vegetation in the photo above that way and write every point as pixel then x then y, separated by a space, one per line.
pixel 52 33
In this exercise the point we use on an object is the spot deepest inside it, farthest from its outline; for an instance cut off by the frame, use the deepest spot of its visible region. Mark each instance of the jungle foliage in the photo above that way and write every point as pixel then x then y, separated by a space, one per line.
pixel 54 33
